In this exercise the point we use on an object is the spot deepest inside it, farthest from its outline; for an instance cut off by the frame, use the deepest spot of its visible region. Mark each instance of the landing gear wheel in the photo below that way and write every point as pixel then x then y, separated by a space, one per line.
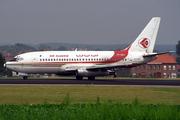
pixel 79 78
pixel 25 77
pixel 91 78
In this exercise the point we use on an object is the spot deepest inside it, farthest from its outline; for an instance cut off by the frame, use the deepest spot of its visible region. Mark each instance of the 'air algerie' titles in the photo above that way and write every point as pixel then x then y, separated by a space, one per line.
pixel 58 55
pixel 76 55
pixel 86 55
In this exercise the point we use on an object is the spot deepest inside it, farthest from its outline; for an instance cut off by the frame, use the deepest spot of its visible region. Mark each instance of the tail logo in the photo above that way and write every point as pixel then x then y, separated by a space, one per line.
pixel 144 43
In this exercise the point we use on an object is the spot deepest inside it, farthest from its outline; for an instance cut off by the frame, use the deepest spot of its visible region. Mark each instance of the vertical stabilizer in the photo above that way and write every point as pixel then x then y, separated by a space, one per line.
pixel 146 40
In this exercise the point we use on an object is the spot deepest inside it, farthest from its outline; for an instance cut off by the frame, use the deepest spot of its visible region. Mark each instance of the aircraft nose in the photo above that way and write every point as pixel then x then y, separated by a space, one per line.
pixel 5 65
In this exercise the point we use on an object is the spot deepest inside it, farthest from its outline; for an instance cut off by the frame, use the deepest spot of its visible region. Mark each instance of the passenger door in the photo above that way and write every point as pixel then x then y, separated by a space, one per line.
pixel 34 59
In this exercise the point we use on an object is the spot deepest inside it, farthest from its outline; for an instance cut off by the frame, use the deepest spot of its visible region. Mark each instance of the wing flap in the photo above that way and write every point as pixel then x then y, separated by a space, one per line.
pixel 111 66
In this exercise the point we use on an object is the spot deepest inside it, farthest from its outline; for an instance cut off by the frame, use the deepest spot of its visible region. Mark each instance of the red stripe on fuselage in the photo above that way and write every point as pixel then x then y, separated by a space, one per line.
pixel 120 55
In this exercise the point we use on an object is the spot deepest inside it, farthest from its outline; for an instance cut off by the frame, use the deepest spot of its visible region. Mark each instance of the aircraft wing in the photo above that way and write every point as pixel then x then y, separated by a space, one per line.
pixel 109 66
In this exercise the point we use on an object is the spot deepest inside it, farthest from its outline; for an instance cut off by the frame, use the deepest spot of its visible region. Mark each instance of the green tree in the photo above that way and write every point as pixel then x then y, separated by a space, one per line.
pixel 62 48
pixel 18 47
pixel 3 71
pixel 44 47
pixel 178 52
pixel 2 60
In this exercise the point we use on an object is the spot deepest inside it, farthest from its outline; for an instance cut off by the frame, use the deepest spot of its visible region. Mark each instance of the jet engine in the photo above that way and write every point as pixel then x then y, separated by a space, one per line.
pixel 83 72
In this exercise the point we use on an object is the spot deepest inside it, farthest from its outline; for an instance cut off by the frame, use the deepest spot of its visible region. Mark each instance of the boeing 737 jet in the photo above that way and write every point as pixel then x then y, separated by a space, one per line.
pixel 89 63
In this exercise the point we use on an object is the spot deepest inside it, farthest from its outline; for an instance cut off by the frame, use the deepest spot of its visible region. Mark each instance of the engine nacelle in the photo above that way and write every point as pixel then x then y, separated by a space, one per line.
pixel 89 73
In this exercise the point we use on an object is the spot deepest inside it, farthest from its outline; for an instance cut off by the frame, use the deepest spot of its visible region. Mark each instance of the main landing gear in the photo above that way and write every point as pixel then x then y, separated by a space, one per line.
pixel 25 77
pixel 89 78
pixel 114 73
pixel 79 78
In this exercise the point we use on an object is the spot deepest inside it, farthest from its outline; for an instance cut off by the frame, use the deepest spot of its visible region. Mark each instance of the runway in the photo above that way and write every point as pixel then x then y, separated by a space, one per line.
pixel 130 82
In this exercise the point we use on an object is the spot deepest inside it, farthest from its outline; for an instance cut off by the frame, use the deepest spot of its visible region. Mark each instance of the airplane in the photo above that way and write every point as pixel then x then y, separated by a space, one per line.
pixel 89 63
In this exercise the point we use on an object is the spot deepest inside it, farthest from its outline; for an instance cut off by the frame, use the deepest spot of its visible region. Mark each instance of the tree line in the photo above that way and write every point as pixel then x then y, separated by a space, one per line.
pixel 3 71
pixel 178 52
pixel 18 47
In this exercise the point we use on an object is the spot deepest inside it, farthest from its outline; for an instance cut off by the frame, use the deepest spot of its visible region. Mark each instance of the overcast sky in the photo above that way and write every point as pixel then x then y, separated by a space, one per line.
pixel 86 21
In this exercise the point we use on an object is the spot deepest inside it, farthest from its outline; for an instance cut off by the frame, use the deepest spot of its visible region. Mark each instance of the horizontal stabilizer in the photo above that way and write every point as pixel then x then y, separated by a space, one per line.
pixel 154 54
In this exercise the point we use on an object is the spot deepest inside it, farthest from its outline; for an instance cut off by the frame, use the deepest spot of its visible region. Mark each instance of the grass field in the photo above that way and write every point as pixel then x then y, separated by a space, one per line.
pixel 55 94
pixel 65 102
pixel 96 111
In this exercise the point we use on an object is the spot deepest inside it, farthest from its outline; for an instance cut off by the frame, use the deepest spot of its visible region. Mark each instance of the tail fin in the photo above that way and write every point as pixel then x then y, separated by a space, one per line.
pixel 146 40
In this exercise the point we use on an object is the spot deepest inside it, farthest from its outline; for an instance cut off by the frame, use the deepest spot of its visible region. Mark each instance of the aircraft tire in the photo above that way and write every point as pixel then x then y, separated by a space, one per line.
pixel 24 77
pixel 79 78
pixel 91 78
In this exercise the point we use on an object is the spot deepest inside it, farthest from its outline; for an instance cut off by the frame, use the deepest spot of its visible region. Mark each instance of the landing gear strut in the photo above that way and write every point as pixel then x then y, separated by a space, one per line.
pixel 114 73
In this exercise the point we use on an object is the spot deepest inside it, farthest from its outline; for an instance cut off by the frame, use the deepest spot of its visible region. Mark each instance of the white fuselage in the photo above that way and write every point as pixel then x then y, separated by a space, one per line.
pixel 58 61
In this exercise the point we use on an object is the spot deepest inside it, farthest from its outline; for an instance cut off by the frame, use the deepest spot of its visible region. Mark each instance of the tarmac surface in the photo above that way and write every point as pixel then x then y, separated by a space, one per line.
pixel 129 82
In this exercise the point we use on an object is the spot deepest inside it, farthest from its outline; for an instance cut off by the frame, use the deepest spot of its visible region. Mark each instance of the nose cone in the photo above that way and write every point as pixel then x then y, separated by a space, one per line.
pixel 5 65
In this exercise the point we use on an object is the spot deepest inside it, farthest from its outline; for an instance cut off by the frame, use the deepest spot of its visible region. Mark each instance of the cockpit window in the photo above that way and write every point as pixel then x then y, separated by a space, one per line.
pixel 14 59
pixel 17 58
